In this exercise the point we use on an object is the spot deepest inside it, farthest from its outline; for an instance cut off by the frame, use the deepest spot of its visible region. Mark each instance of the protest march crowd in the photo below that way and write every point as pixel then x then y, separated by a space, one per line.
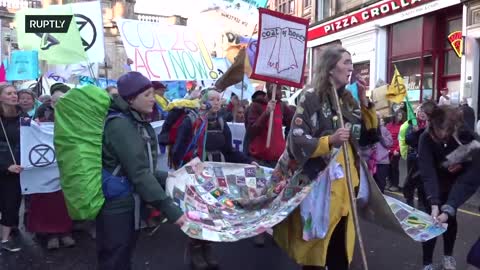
pixel 315 161
pixel 439 131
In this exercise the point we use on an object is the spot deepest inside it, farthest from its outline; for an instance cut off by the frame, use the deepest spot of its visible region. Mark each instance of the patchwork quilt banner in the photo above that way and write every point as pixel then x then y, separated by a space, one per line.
pixel 228 202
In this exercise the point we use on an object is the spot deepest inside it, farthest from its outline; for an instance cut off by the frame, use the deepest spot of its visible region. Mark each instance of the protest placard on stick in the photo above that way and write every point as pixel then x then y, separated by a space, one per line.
pixel 281 51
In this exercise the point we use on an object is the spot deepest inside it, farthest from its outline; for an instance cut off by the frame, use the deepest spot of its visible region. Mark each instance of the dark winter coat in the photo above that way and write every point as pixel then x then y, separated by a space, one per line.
pixel 218 139
pixel 432 155
pixel 124 144
pixel 12 128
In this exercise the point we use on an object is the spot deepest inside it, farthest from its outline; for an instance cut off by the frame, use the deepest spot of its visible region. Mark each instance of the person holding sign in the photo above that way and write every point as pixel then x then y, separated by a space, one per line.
pixel 315 132
pixel 10 191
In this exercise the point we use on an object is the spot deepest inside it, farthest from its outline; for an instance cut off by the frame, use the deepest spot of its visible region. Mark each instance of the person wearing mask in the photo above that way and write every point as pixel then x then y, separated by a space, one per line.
pixel 314 134
pixel 28 102
pixel 444 98
pixel 10 191
pixel 46 113
pixel 258 125
pixel 135 160
pixel 440 170
pixel 394 129
pixel 214 144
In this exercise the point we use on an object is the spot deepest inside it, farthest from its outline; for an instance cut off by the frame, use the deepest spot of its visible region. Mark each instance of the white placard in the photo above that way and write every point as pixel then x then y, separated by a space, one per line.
pixel 281 50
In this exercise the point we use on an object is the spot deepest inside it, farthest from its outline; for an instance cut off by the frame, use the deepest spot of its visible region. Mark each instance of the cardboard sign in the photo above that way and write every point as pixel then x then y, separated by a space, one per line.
pixel 23 66
pixel 281 49
pixel 166 52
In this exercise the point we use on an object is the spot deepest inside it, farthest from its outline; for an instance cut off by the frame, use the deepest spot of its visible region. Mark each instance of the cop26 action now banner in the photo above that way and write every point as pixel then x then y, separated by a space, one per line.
pixel 166 52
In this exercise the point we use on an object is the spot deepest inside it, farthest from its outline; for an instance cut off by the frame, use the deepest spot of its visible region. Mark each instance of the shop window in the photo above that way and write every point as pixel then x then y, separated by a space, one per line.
pixel 452 26
pixel 452 63
pixel 407 37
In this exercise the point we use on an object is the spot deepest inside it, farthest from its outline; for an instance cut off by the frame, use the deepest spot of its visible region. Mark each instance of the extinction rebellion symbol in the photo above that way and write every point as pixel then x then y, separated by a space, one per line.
pixel 88 31
pixel 41 155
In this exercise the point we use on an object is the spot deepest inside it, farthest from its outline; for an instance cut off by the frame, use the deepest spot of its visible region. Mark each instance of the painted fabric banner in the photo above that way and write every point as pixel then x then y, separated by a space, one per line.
pixel 229 202
pixel 282 47
pixel 166 52
pixel 37 157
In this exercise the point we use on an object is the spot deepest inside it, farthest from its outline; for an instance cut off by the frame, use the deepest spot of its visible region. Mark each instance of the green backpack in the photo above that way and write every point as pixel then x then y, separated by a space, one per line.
pixel 79 122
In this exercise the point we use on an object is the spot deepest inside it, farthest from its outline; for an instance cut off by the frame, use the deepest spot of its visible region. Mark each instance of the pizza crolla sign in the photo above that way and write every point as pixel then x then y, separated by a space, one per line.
pixel 368 14
pixel 456 40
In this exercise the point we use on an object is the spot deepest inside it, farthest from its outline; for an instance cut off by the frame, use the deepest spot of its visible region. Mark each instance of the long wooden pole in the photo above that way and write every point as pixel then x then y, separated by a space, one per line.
pixel 270 120
pixel 351 191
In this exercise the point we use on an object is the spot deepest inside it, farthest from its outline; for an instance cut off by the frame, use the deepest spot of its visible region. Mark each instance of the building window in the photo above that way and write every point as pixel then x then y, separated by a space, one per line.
pixel 323 9
pixel 307 3
pixel 291 7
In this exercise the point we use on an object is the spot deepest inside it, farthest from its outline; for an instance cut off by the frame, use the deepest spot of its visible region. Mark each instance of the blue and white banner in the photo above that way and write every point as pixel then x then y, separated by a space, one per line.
pixel 38 157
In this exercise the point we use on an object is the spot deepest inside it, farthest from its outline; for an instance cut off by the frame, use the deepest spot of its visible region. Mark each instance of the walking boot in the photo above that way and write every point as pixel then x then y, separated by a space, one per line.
pixel 197 261
pixel 208 255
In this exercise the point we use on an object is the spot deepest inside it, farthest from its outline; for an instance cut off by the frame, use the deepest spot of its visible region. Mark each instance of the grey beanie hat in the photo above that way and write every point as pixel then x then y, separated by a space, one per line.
pixel 132 84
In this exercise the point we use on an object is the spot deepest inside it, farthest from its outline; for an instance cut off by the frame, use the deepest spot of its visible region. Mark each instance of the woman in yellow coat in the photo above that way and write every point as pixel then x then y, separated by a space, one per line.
pixel 314 133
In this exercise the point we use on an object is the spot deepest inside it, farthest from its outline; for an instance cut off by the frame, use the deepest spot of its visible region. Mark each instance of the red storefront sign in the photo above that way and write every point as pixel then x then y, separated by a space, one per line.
pixel 362 16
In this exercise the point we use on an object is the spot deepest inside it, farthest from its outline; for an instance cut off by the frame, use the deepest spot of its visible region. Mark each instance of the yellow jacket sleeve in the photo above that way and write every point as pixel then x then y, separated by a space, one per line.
pixel 369 116
pixel 323 147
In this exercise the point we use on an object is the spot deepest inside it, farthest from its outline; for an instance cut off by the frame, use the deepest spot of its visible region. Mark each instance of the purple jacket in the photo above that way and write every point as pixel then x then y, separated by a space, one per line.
pixel 386 141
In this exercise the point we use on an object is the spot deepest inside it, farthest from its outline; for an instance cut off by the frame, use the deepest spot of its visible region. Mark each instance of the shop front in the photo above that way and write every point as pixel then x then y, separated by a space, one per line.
pixel 412 36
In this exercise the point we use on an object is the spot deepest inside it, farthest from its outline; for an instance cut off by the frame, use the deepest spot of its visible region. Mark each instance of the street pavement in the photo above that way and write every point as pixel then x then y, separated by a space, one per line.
pixel 166 250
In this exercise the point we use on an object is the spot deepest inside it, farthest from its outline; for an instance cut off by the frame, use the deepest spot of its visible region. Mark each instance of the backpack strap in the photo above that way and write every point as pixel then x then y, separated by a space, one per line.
pixel 143 131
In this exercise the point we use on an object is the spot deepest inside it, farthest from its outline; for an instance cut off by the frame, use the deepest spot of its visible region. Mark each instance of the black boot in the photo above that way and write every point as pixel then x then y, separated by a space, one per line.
pixel 197 260
pixel 208 255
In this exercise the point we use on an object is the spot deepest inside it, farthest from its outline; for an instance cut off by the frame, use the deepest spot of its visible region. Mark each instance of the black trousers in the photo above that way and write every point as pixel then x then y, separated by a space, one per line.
pixel 414 181
pixel 10 199
pixel 116 238
pixel 381 176
pixel 449 238
pixel 337 250
pixel 394 175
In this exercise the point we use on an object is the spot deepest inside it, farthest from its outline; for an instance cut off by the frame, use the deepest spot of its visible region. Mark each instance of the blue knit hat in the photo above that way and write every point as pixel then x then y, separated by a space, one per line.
pixel 132 84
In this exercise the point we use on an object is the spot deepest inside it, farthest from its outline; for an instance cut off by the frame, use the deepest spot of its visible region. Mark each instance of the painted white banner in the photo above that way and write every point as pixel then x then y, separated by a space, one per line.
pixel 88 16
pixel 41 173
pixel 281 49
pixel 64 73
pixel 166 52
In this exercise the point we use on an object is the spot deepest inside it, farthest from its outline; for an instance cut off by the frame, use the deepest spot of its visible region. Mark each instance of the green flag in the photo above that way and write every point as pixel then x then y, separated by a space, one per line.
pixel 55 48
pixel 410 112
